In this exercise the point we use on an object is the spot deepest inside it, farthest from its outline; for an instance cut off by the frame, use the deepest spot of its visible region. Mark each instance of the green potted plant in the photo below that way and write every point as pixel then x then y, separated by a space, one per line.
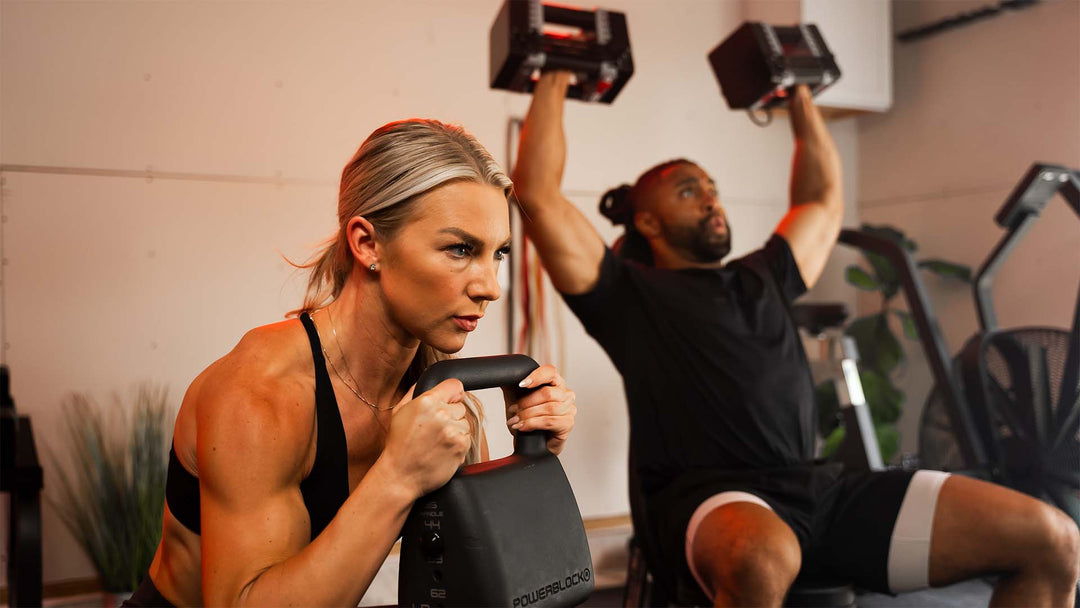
pixel 880 350
pixel 112 493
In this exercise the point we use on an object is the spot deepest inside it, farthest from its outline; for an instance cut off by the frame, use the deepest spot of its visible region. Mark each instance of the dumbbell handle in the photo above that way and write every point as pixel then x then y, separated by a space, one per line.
pixel 502 371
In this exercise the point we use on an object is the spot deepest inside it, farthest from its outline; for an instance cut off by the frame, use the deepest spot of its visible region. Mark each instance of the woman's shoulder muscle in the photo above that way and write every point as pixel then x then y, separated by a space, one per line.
pixel 257 398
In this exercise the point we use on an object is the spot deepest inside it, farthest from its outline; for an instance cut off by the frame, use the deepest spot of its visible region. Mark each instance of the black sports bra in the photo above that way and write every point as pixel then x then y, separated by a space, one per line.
pixel 325 488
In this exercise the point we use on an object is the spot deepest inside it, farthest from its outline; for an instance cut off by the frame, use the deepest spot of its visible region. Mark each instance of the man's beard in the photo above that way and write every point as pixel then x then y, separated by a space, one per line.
pixel 700 242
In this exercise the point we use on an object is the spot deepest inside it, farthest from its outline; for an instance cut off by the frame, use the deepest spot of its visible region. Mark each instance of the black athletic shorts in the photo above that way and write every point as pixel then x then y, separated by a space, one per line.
pixel 844 522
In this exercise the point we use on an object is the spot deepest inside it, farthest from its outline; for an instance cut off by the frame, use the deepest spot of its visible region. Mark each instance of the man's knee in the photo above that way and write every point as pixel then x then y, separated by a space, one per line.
pixel 1059 539
pixel 774 563
pixel 747 552
pixel 1053 546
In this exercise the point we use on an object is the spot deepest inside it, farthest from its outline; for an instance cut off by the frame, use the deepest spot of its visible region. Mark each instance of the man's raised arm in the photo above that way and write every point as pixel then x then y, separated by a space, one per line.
pixel 570 248
pixel 817 197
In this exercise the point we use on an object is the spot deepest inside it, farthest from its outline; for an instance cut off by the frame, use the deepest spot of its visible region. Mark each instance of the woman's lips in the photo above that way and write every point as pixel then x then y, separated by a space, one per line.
pixel 467 323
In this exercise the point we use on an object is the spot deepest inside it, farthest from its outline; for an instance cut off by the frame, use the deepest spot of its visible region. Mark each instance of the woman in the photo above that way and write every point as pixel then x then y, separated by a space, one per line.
pixel 298 455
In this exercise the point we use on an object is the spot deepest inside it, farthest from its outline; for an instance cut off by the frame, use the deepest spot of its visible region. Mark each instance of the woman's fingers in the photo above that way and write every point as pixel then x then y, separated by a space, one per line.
pixel 526 419
pixel 539 399
pixel 545 374
pixel 540 396
pixel 544 423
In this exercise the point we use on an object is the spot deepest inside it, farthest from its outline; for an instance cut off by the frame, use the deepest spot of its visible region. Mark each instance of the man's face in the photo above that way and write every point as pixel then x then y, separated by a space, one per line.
pixel 686 204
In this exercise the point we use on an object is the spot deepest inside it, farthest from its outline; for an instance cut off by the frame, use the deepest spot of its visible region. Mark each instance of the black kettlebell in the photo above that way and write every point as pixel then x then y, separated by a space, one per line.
pixel 506 532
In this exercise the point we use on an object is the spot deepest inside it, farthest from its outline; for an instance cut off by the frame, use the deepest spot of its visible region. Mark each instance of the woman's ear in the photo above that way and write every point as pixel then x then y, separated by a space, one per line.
pixel 362 241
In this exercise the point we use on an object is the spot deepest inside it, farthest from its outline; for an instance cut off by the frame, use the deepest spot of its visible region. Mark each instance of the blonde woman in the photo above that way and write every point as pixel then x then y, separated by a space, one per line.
pixel 297 455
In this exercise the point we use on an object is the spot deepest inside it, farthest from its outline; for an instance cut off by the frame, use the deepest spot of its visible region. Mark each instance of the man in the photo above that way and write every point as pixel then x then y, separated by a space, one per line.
pixel 721 402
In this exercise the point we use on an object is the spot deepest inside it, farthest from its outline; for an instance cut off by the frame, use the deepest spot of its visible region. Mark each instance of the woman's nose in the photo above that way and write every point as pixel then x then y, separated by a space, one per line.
pixel 485 286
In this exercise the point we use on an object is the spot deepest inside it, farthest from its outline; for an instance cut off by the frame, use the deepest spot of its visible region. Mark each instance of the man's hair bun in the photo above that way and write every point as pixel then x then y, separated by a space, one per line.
pixel 615 205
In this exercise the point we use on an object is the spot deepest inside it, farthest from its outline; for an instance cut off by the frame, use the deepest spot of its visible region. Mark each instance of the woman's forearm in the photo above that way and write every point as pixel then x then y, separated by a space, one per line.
pixel 338 566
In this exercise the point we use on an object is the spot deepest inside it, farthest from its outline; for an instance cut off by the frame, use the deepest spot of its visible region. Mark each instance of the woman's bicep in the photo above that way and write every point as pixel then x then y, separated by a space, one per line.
pixel 242 538
pixel 252 512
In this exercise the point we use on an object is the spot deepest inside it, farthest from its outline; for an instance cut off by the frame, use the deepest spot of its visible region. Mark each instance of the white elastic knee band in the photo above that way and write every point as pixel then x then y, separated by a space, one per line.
pixel 711 504
pixel 909 549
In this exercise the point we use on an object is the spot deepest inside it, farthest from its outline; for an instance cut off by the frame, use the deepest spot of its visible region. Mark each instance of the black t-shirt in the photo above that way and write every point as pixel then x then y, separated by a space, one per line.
pixel 712 364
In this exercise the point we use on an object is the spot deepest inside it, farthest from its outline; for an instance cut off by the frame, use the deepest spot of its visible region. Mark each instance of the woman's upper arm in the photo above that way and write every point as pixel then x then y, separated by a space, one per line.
pixel 251 452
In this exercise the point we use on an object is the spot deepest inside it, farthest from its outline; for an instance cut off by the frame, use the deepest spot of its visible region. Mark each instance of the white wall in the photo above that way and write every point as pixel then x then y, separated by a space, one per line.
pixel 974 108
pixel 234 120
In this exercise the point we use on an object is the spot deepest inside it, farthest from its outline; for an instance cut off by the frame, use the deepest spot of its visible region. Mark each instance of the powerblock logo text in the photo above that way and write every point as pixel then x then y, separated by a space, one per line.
pixel 553 588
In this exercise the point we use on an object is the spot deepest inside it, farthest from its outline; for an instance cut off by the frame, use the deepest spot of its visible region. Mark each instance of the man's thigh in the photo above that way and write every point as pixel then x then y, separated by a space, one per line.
pixel 875 530
pixel 981 527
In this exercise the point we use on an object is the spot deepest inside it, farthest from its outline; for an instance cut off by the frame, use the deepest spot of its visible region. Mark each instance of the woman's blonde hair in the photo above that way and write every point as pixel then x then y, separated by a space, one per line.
pixel 393 168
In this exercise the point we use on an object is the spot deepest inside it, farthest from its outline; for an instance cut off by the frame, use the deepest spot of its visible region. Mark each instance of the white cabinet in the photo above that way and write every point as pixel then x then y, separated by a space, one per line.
pixel 859 33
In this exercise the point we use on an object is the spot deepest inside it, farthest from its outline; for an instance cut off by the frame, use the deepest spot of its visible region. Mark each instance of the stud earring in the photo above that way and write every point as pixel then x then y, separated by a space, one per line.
pixel 372 268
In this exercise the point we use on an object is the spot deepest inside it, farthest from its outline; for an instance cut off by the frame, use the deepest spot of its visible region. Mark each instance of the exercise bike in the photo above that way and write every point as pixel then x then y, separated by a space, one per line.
pixel 1019 388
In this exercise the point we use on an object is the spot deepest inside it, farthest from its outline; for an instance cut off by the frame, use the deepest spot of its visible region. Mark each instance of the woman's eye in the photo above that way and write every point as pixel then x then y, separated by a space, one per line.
pixel 502 253
pixel 460 250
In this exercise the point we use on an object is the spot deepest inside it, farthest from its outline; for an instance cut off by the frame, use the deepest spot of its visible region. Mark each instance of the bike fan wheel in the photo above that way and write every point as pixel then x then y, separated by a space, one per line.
pixel 1027 410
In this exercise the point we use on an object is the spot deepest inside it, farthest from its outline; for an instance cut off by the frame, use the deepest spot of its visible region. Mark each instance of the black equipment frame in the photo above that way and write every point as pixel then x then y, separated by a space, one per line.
pixel 932 340
pixel 454 550
pixel 1026 410
pixel 21 477
pixel 971 425
pixel 601 59
pixel 1019 213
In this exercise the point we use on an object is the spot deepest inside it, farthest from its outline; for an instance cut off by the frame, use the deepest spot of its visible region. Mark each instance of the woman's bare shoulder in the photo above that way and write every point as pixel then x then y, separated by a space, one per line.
pixel 262 393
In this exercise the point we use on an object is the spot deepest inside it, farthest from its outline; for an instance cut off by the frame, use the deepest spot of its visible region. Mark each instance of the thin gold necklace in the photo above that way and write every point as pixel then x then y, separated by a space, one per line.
pixel 345 362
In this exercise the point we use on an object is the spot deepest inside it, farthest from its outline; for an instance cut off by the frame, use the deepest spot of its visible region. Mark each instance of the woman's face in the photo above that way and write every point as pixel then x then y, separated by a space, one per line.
pixel 438 273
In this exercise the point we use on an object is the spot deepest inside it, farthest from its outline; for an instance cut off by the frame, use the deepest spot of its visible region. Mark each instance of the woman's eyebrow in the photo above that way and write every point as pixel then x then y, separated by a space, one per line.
pixel 471 240
pixel 463 235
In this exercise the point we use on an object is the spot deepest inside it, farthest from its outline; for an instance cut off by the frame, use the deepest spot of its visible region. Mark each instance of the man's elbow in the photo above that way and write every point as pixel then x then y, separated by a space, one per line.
pixel 832 200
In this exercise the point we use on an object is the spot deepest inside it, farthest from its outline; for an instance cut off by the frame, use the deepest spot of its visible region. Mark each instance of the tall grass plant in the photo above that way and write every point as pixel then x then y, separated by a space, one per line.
pixel 112 487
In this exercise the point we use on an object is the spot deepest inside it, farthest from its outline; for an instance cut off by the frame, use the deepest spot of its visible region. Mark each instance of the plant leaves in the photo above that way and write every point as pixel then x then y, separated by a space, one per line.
pixel 861 279
pixel 112 496
pixel 882 396
pixel 947 270
pixel 911 331
pixel 862 330
pixel 886 275
pixel 828 407
pixel 832 442
pixel 888 439
pixel 889 351
pixel 878 348
pixel 892 233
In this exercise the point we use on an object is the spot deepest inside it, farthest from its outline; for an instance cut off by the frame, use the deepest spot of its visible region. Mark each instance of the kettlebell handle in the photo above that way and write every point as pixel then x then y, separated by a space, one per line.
pixel 499 371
